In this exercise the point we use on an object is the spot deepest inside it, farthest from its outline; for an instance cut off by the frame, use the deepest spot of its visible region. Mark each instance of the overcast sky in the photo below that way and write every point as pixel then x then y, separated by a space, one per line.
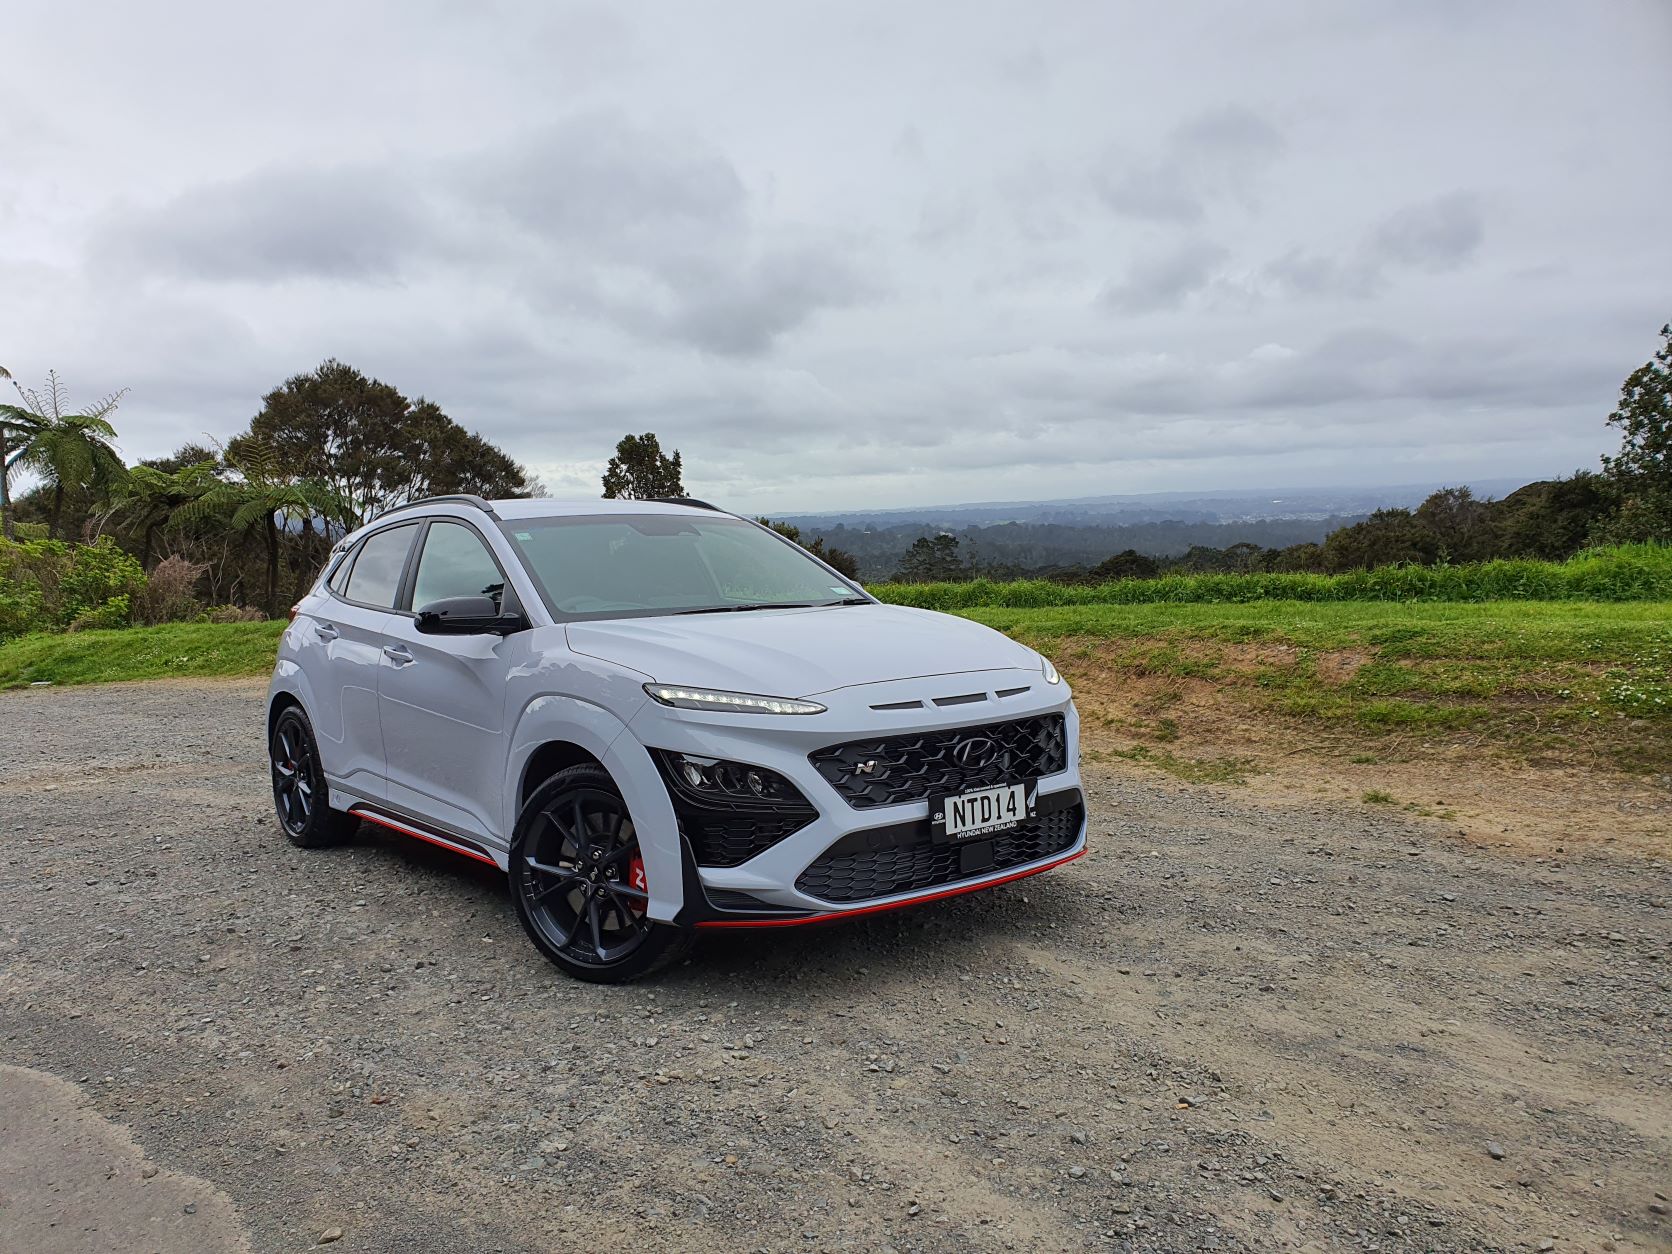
pixel 858 254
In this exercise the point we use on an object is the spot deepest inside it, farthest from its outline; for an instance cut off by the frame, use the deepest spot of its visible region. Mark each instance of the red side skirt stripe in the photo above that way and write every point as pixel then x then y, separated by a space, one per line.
pixel 440 842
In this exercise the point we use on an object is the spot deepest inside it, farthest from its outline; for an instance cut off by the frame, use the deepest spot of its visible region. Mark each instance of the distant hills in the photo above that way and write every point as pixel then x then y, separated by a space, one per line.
pixel 1227 506
pixel 1007 538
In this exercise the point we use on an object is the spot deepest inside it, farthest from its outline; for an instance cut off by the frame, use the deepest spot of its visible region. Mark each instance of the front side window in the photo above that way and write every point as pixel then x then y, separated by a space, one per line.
pixel 376 577
pixel 455 563
pixel 631 566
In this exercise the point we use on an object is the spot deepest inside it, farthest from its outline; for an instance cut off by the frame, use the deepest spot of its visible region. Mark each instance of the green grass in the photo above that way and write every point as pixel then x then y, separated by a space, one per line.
pixel 1528 674
pixel 176 649
pixel 1633 572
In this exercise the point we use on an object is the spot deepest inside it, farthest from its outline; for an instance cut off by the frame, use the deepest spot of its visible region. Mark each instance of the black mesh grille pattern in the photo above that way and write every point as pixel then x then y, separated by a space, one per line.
pixel 863 874
pixel 926 764
pixel 732 839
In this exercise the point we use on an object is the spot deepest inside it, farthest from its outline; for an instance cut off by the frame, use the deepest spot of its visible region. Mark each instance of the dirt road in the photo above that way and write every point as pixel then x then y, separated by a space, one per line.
pixel 1238 1024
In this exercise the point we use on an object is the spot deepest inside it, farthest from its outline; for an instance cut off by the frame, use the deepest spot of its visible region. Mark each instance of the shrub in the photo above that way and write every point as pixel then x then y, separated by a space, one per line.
pixel 234 614
pixel 31 572
pixel 118 611
pixel 168 592
pixel 99 573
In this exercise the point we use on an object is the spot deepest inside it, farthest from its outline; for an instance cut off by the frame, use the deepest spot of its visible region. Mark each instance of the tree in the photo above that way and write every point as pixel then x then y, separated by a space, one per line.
pixel 369 446
pixel 1552 519
pixel 933 559
pixel 1388 537
pixel 1460 523
pixel 151 498
pixel 260 497
pixel 843 561
pixel 68 450
pixel 1642 469
pixel 1127 564
pixel 640 471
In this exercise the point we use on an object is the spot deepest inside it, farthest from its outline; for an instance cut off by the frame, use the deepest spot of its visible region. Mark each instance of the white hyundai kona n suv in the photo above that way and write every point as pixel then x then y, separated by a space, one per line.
pixel 658 717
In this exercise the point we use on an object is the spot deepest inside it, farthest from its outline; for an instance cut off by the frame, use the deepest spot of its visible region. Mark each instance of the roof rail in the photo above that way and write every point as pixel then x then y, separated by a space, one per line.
pixel 451 498
pixel 685 500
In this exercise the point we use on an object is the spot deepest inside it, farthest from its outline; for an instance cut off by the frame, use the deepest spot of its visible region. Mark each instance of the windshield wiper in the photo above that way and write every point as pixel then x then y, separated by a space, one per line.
pixel 753 605
pixel 846 601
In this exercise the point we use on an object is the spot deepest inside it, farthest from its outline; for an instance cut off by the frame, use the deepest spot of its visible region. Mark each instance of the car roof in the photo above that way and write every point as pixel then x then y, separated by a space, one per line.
pixel 522 507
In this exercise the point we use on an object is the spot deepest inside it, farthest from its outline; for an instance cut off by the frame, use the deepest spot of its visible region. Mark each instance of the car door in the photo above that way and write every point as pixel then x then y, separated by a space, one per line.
pixel 345 641
pixel 442 698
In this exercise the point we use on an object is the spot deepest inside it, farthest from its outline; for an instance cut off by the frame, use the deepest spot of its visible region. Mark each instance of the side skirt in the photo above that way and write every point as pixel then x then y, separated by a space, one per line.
pixel 406 827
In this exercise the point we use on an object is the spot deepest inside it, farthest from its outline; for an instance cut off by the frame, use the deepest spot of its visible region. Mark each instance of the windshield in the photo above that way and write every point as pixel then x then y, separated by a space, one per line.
pixel 629 566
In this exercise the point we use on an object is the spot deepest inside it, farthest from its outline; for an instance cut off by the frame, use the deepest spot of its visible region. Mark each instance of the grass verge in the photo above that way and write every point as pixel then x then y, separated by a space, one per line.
pixel 172 650
pixel 1628 572
pixel 1527 677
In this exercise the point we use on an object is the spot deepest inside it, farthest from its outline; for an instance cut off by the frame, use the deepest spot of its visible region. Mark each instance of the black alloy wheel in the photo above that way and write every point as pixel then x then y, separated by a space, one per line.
pixel 579 884
pixel 301 796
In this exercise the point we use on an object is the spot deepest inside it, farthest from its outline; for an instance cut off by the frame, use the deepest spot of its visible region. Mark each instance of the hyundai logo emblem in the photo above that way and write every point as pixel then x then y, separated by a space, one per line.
pixel 974 753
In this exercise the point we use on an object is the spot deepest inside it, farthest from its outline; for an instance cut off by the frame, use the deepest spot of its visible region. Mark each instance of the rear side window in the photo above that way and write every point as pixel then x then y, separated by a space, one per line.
pixel 455 563
pixel 376 577
pixel 339 577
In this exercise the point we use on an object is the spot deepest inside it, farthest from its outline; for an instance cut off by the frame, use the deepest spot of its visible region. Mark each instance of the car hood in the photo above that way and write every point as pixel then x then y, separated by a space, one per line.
pixel 799 652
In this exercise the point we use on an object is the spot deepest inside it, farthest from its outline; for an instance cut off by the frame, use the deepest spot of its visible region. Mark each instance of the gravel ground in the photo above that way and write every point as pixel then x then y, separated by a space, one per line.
pixel 1237 1024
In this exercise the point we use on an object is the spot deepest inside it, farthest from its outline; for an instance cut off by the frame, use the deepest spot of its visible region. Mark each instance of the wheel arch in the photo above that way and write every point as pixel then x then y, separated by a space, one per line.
pixel 558 731
pixel 546 760
pixel 281 701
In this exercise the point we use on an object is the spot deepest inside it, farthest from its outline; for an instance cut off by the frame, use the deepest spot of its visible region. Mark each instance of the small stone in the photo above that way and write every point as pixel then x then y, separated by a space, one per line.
pixel 190 1208
pixel 330 1235
pixel 1494 1149
pixel 1077 1172
pixel 1546 1245
pixel 148 1171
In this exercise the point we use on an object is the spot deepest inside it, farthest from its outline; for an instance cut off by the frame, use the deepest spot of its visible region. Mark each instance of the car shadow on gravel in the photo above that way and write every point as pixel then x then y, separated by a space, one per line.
pixel 896 948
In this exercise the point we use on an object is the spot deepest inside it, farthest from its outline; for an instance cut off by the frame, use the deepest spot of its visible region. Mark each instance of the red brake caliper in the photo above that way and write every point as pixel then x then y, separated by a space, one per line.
pixel 636 879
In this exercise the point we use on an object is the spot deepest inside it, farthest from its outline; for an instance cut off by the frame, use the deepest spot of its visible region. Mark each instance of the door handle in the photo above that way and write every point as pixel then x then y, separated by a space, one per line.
pixel 398 654
pixel 325 631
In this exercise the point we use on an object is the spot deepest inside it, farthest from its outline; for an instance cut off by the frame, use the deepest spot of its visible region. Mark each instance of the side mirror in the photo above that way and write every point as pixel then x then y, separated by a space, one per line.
pixel 468 616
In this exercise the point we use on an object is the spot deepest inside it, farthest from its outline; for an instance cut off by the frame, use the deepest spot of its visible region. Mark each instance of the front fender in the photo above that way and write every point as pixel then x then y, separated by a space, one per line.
pixel 602 734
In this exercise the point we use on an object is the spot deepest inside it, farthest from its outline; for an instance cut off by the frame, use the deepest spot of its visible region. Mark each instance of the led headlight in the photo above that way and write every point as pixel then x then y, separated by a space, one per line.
pixel 728 702
pixel 1051 676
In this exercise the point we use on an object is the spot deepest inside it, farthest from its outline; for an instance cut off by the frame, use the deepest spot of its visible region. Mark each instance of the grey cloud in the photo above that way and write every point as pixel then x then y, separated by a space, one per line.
pixel 350 223
pixel 1165 280
pixel 852 258
pixel 1439 235
pixel 1212 155
pixel 651 231
pixel 1434 237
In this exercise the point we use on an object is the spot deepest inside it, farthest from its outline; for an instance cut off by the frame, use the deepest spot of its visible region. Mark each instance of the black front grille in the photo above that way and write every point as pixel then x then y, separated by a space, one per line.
pixel 895 769
pixel 847 871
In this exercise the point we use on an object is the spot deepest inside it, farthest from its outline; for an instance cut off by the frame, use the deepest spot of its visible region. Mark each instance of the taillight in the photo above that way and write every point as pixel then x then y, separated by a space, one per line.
pixel 293 610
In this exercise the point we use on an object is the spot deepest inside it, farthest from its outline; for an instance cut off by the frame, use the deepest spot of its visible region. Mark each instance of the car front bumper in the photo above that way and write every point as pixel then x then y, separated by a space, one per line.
pixel 825 869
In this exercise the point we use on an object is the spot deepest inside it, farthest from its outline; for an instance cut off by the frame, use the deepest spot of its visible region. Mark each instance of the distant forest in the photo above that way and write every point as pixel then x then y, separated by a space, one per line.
pixel 1020 549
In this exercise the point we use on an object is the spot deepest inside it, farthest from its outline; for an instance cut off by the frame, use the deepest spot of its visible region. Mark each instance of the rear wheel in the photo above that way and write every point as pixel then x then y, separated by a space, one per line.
pixel 300 795
pixel 579 883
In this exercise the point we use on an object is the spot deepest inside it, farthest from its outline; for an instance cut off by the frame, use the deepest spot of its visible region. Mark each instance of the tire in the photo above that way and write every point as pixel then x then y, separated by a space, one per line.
pixel 578 882
pixel 301 797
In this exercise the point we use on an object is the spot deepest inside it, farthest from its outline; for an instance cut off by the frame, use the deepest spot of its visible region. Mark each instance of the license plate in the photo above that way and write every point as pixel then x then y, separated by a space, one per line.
pixel 981 812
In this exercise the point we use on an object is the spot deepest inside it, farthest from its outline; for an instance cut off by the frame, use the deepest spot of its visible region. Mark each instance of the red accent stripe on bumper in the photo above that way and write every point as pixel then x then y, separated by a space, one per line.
pixel 440 842
pixel 833 915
